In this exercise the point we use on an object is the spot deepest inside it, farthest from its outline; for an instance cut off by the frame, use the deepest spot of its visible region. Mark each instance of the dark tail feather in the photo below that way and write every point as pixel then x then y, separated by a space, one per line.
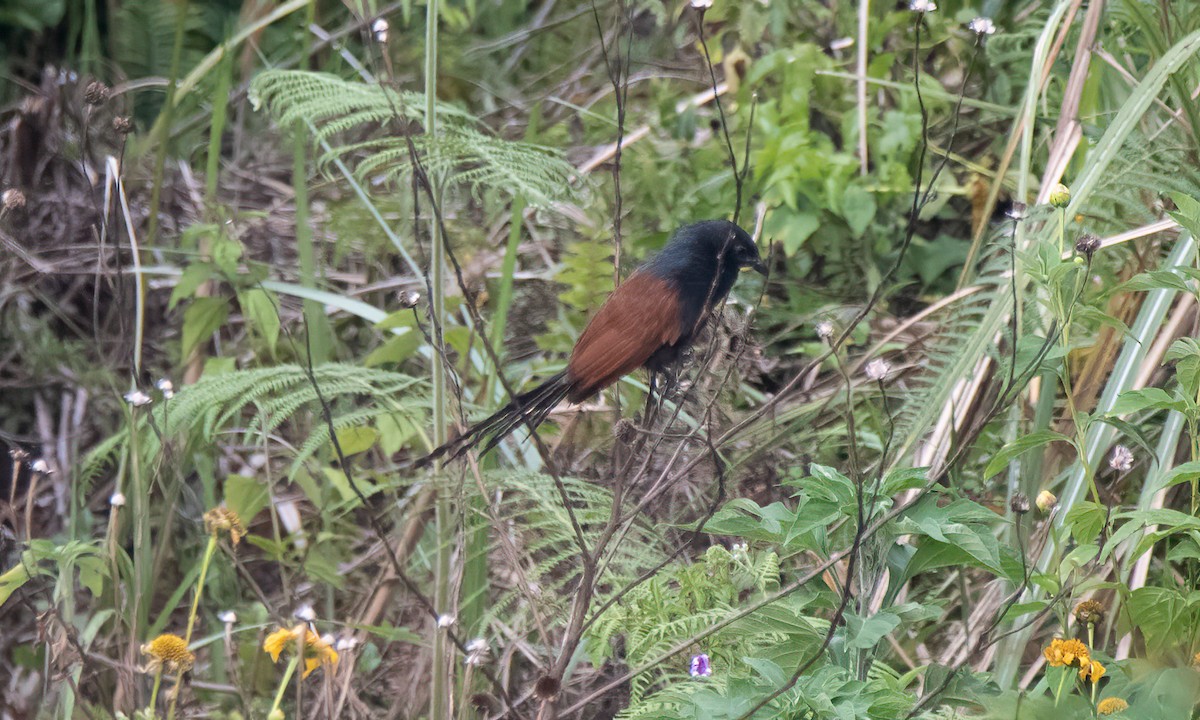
pixel 529 408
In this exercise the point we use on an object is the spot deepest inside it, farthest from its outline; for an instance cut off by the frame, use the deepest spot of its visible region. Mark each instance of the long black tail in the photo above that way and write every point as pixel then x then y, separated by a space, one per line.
pixel 529 408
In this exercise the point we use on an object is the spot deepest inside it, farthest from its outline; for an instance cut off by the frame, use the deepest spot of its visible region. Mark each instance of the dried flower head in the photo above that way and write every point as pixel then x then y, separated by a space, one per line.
pixel 40 466
pixel 96 93
pixel 18 454
pixel 222 519
pixel 137 398
pixel 1060 196
pixel 12 199
pixel 700 666
pixel 445 621
pixel 922 6
pixel 1121 459
pixel 1046 501
pixel 477 650
pixel 1017 211
pixel 824 329
pixel 305 612
pixel 228 617
pixel 122 124
pixel 1090 670
pixel 1089 612
pixel 166 387
pixel 168 652
pixel 1111 706
pixel 117 499
pixel 877 370
pixel 317 651
pixel 547 687
pixel 379 29
pixel 409 299
pixel 982 26
pixel 1019 503
pixel 1060 653
pixel 1087 245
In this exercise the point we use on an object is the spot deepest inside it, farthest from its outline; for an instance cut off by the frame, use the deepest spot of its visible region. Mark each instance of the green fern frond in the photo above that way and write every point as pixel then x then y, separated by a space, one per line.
pixel 263 399
pixel 461 153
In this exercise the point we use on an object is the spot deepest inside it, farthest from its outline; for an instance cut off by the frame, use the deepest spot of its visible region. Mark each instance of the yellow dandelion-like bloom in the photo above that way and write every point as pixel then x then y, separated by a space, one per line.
pixel 1090 670
pixel 222 519
pixel 1089 612
pixel 169 652
pixel 1065 652
pixel 317 652
pixel 1111 706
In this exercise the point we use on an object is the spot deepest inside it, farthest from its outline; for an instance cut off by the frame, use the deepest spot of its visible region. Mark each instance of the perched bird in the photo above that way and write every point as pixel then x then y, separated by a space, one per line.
pixel 648 321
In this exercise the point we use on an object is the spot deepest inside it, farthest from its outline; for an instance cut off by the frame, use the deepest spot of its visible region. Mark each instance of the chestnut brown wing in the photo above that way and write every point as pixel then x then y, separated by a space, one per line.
pixel 641 316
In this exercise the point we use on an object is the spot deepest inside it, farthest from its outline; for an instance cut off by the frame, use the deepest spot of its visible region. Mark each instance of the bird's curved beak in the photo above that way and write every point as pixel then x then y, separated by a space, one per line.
pixel 760 267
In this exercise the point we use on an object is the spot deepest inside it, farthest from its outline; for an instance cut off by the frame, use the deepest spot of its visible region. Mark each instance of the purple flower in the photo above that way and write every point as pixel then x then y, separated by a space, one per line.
pixel 700 667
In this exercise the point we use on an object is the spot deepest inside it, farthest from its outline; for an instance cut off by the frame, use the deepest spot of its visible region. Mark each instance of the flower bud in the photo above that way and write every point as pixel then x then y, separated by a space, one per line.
pixel 1060 196
pixel 1046 501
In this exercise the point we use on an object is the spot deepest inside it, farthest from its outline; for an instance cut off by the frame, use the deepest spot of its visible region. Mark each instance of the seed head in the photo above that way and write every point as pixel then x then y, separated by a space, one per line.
pixel 409 299
pixel 1089 612
pixel 379 29
pixel 137 398
pixel 1087 245
pixel 922 6
pixel 982 26
pixel 122 124
pixel 1121 459
pixel 1111 706
pixel 1019 503
pixel 12 199
pixel 96 93
pixel 877 370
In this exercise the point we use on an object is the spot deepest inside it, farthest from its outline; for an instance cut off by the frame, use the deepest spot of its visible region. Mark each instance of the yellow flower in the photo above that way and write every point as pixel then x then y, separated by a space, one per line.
pixel 1066 652
pixel 317 652
pixel 1089 612
pixel 1045 501
pixel 1090 670
pixel 169 652
pixel 223 519
pixel 1112 705
pixel 1196 660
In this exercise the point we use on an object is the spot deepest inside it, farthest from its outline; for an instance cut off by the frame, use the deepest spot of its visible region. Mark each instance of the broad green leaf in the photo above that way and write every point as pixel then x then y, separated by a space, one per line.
pixel 1150 398
pixel 1021 446
pixel 193 276
pixel 865 633
pixel 203 317
pixel 259 308
pixel 1086 520
pixel 245 496
pixel 354 440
